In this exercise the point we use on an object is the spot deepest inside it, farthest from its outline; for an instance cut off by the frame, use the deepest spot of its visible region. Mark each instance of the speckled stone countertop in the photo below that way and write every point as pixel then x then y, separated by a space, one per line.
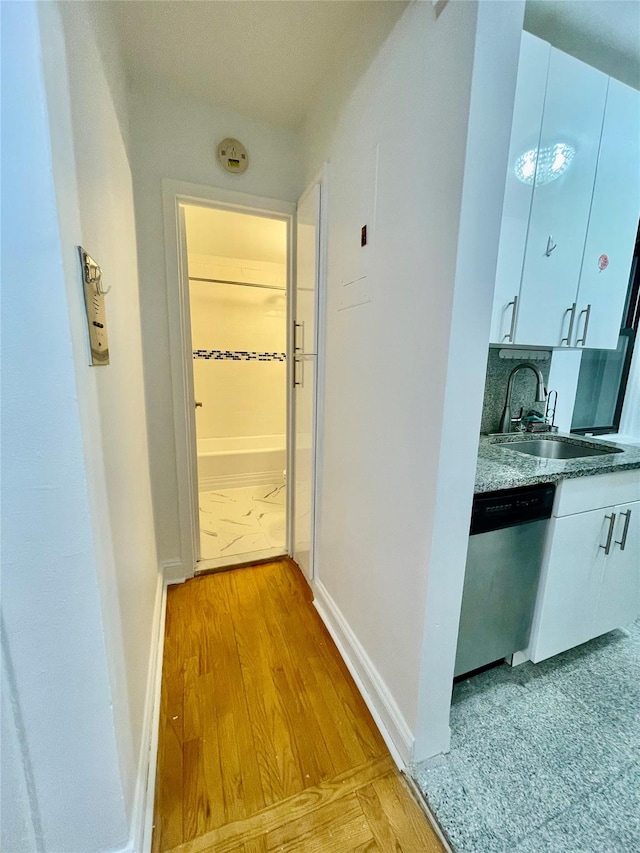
pixel 501 468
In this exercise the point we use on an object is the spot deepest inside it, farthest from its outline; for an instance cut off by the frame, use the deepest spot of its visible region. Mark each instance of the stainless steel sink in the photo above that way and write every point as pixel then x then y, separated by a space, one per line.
pixel 557 448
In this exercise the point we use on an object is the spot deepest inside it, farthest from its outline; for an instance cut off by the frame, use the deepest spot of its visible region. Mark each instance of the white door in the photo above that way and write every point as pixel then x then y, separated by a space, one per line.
pixel 192 436
pixel 619 600
pixel 525 137
pixel 613 223
pixel 570 581
pixel 573 115
pixel 305 336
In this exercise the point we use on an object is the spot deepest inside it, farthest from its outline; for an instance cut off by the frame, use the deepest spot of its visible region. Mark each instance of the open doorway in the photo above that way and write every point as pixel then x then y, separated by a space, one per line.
pixel 237 271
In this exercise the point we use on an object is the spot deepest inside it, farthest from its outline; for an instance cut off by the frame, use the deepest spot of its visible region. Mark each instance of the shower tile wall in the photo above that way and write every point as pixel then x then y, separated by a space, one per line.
pixel 495 389
pixel 241 395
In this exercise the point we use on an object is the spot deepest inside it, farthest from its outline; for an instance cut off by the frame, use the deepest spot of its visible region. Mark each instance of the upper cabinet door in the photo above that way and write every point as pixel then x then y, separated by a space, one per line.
pixel 525 136
pixel 613 222
pixel 565 172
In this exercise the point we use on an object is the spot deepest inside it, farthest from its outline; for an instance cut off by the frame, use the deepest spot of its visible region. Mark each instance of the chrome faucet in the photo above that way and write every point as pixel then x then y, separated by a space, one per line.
pixel 506 419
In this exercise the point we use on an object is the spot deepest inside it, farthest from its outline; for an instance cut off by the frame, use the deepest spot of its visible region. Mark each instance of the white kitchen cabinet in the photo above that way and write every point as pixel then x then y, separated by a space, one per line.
pixel 619 594
pixel 573 116
pixel 525 135
pixel 569 584
pixel 613 223
pixel 566 244
pixel 590 579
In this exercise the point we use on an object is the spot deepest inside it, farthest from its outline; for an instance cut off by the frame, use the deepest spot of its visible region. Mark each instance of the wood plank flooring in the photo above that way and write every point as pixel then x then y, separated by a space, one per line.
pixel 265 742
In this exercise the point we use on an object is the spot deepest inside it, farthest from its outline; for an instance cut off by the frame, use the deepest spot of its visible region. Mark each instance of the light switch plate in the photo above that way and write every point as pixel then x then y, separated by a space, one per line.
pixel 94 304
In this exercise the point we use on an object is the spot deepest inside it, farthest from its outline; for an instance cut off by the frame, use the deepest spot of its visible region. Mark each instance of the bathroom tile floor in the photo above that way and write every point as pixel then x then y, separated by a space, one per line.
pixel 237 523
pixel 545 757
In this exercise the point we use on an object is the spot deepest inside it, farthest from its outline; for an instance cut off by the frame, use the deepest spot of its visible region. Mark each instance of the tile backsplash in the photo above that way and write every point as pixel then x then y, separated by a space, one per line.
pixel 524 387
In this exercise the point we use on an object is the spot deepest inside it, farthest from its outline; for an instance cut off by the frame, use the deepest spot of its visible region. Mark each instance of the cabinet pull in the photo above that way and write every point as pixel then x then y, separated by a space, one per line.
pixel 612 521
pixel 298 383
pixel 512 329
pixel 582 341
pixel 625 530
pixel 572 311
pixel 296 347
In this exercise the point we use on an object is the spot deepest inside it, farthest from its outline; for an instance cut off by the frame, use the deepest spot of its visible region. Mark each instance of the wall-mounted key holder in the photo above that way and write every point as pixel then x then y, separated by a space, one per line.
pixel 94 293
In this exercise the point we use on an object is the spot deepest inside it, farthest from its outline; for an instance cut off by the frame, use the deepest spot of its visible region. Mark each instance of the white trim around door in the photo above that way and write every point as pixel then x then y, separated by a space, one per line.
pixel 174 194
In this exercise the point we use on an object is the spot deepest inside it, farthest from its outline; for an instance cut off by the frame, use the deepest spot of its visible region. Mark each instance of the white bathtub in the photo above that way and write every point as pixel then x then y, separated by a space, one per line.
pixel 241 461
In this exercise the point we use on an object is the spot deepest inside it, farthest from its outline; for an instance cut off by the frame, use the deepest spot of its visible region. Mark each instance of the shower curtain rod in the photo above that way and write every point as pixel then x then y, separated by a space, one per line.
pixel 240 283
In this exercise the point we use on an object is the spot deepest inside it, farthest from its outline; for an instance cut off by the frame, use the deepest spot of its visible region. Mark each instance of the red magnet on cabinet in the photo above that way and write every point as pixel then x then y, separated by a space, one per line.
pixel 603 262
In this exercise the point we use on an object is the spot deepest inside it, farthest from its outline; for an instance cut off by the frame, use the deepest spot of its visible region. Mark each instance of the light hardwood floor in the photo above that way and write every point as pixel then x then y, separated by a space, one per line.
pixel 265 742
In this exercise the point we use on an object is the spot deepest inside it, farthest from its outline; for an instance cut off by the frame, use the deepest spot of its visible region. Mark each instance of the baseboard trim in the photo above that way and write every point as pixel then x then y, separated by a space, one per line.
pixel 393 727
pixel 236 481
pixel 145 781
pixel 146 817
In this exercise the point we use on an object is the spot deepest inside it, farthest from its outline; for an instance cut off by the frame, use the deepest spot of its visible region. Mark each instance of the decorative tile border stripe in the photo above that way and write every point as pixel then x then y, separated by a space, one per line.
pixel 237 355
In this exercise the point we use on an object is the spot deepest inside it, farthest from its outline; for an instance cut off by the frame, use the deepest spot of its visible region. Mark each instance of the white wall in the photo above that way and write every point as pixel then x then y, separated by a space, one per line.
pixel 497 47
pixel 630 418
pixel 383 473
pixel 95 198
pixel 54 650
pixel 173 136
pixel 101 748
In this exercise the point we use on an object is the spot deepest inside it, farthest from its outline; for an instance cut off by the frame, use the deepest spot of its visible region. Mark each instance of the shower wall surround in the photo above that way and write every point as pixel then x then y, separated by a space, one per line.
pixel 495 388
pixel 243 330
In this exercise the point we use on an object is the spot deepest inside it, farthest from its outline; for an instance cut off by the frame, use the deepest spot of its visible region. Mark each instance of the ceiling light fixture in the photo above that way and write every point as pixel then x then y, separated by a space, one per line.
pixel 544 164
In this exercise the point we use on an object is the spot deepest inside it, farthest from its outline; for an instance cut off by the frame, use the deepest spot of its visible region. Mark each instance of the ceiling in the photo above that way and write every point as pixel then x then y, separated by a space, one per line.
pixel 264 58
pixel 604 33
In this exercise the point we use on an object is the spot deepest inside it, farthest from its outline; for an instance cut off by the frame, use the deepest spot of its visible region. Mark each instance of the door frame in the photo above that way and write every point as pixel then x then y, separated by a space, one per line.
pixel 174 194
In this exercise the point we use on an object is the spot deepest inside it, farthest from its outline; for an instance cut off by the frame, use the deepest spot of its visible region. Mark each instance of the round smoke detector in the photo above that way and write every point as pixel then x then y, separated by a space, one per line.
pixel 233 156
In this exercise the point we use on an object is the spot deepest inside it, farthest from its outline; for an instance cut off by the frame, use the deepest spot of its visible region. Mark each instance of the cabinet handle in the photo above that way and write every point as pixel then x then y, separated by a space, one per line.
pixel 512 330
pixel 612 521
pixel 297 326
pixel 583 339
pixel 627 518
pixel 296 383
pixel 572 311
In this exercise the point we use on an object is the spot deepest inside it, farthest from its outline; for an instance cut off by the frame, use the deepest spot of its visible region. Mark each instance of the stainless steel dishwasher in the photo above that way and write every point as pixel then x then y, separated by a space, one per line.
pixel 502 573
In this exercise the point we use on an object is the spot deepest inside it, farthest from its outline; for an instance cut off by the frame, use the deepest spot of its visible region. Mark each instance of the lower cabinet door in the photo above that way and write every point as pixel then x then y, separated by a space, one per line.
pixel 619 595
pixel 570 583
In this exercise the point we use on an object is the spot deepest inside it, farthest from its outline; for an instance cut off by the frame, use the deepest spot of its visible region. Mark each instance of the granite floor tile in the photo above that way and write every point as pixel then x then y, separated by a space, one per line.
pixel 607 821
pixel 545 757
pixel 460 816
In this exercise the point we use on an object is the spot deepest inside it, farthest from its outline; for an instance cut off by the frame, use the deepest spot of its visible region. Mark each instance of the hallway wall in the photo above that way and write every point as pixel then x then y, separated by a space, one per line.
pixel 65 741
pixel 399 307
pixel 85 575
pixel 175 136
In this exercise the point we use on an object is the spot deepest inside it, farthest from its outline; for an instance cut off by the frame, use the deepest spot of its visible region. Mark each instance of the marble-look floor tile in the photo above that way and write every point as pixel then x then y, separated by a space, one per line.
pixel 242 520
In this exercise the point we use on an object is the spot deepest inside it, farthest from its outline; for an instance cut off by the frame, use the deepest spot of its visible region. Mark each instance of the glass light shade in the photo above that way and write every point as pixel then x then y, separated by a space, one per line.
pixel 544 164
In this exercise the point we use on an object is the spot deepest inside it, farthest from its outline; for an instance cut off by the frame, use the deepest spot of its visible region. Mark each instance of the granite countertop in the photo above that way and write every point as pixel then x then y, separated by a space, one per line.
pixel 500 468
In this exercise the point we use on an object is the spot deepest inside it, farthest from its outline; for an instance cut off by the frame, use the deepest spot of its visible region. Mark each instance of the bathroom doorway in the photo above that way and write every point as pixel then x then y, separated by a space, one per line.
pixel 237 282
